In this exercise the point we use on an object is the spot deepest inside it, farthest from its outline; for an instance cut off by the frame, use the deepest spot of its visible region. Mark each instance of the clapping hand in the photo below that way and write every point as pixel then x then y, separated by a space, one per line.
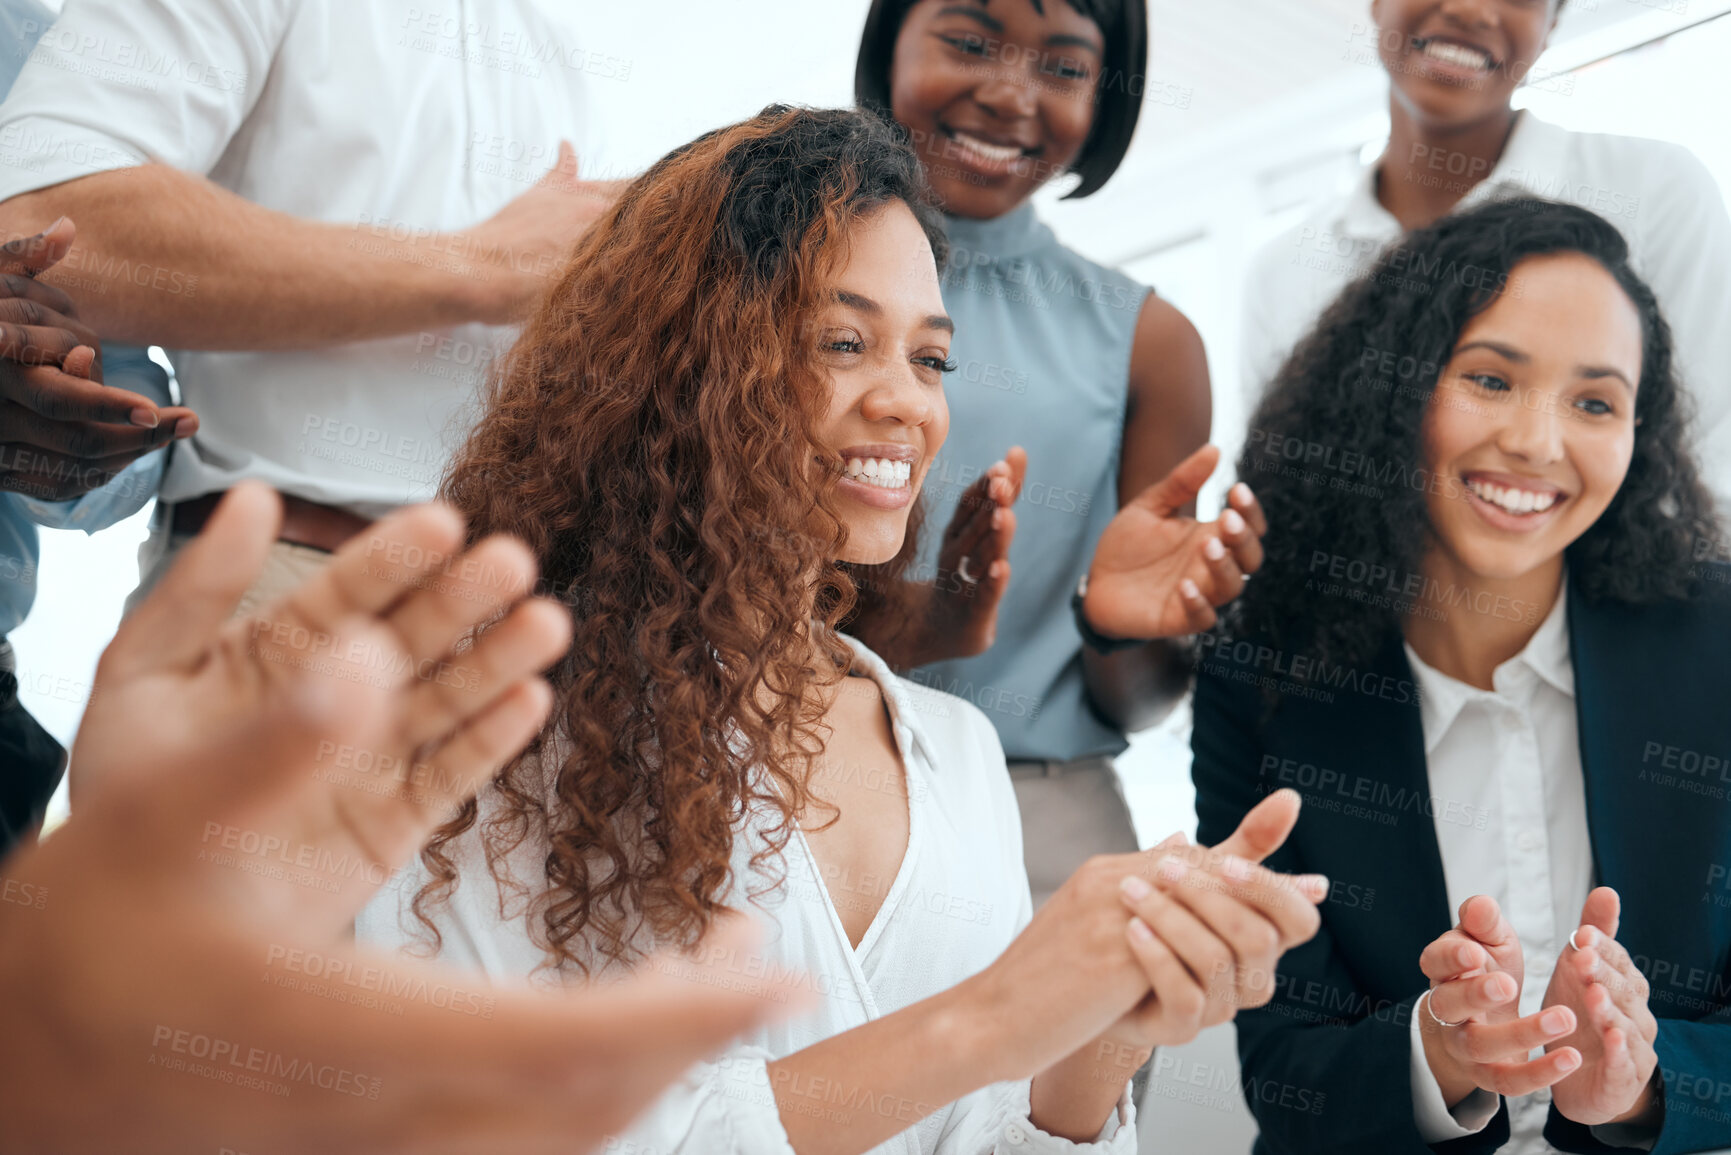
pixel 1606 994
pixel 1158 573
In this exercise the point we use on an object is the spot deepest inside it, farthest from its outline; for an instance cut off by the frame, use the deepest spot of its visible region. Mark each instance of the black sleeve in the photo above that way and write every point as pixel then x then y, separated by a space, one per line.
pixel 1325 1068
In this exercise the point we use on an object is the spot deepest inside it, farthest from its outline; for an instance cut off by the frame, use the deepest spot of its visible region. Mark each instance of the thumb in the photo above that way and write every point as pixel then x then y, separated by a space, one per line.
pixel 1265 828
pixel 1180 487
pixel 1604 910
pixel 32 255
pixel 567 165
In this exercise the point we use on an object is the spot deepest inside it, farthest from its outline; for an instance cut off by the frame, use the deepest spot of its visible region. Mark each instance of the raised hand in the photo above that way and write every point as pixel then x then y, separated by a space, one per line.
pixel 961 614
pixel 1476 971
pixel 1158 573
pixel 1599 984
pixel 62 432
pixel 145 981
pixel 386 622
pixel 527 242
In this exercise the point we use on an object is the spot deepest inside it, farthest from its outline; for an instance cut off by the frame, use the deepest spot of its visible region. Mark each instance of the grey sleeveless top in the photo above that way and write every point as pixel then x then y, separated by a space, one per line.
pixel 1042 348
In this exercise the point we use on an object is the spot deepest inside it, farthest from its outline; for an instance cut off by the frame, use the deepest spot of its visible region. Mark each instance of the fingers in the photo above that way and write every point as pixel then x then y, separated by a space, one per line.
pixel 50 296
pixel 1017 460
pixel 1256 929
pixel 1179 488
pixel 1511 1041
pixel 433 616
pixel 377 568
pixel 532 637
pixel 1265 828
pixel 1242 499
pixel 1287 902
pixel 31 255
pixel 85 440
pixel 1225 578
pixel 46 475
pixel 972 511
pixel 485 742
pixel 1199 612
pixel 1244 546
pixel 1453 955
pixel 1513 1079
pixel 61 396
pixel 176 623
pixel 1210 960
pixel 1473 998
pixel 1482 918
pixel 1603 910
pixel 1181 999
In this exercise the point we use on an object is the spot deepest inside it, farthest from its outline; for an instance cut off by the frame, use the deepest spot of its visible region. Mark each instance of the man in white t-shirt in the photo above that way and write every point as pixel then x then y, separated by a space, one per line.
pixel 328 212
pixel 1454 142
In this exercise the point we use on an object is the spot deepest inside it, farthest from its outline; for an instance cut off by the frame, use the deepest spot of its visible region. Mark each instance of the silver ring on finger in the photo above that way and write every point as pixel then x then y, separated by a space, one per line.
pixel 962 572
pixel 1436 1018
pixel 1573 945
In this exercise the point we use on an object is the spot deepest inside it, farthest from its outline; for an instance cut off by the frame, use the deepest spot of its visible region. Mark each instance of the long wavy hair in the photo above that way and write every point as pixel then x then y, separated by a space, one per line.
pixel 1334 402
pixel 651 437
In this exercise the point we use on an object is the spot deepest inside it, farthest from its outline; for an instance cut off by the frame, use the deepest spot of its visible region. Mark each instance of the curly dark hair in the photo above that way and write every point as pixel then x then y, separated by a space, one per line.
pixel 1414 303
pixel 651 437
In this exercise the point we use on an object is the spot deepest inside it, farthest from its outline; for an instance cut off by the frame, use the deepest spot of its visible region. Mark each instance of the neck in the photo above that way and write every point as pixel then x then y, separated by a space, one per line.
pixel 1465 625
pixel 1428 168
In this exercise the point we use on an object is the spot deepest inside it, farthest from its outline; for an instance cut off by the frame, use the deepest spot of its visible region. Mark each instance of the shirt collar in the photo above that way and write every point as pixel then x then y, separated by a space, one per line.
pixel 1531 159
pixel 1546 655
pixel 905 720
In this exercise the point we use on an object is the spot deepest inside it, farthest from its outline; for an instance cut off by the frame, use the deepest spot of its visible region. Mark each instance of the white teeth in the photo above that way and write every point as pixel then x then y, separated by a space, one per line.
pixel 1000 153
pixel 1515 501
pixel 1457 54
pixel 879 471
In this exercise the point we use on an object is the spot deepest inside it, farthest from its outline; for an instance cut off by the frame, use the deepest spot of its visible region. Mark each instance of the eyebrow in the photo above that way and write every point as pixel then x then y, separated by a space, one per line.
pixel 871 308
pixel 993 24
pixel 1510 353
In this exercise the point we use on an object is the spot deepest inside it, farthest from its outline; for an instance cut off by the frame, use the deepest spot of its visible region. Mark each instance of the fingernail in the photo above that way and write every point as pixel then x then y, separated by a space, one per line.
pixel 1171 869
pixel 144 418
pixel 1189 590
pixel 1232 522
pixel 1569 1060
pixel 1135 888
pixel 997 519
pixel 58 221
pixel 1554 1021
pixel 1315 886
pixel 1139 931
pixel 1235 868
pixel 1214 549
pixel 1501 987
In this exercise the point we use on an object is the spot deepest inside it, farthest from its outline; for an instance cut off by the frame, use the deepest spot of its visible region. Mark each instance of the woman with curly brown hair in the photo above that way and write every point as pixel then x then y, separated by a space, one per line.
pixel 713 431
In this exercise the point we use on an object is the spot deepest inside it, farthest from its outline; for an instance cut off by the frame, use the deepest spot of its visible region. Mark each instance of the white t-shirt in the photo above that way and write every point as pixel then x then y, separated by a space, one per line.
pixel 959 897
pixel 1658 195
pixel 407 117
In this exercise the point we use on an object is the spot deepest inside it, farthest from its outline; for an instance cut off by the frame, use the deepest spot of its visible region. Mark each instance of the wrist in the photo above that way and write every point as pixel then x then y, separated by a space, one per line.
pixel 1649 1106
pixel 1092 636
pixel 970 1027
pixel 1452 1078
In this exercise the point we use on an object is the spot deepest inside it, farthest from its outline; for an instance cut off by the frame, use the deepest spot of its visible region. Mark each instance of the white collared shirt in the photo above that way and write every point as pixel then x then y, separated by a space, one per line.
pixel 1507 762
pixel 409 117
pixel 959 897
pixel 1658 195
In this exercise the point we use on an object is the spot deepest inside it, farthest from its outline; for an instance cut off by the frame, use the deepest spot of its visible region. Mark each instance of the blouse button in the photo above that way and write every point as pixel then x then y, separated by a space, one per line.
pixel 1015 1135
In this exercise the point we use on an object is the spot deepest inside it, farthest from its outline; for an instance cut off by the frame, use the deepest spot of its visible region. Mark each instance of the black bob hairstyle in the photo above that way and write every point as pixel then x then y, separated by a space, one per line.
pixel 1415 301
pixel 1118 95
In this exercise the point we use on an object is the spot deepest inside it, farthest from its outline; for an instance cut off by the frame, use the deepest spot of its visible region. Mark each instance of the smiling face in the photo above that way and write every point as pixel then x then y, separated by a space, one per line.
pixel 999 97
pixel 884 341
pixel 1532 425
pixel 1454 63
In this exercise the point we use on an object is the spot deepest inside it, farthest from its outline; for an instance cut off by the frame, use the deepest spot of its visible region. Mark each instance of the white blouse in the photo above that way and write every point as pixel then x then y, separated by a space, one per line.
pixel 960 896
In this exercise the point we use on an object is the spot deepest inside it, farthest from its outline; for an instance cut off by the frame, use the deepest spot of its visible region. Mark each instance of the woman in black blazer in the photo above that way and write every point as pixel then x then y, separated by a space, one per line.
pixel 1490 645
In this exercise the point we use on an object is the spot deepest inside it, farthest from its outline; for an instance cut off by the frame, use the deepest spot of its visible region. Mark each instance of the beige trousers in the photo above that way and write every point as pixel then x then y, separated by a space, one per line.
pixel 1071 811
pixel 286 566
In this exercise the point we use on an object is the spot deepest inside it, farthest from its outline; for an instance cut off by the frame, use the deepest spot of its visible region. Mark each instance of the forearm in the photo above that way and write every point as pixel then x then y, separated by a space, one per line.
pixel 164 257
pixel 1134 689
pixel 854 1090
pixel 1075 1097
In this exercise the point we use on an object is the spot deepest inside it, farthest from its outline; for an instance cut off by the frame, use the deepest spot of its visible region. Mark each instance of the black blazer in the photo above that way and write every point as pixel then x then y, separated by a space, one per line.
pixel 1326 1064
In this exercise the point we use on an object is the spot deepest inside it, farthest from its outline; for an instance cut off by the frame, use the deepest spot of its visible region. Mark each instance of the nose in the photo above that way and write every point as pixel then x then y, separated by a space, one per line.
pixel 1534 430
pixel 901 398
pixel 1007 95
pixel 1470 13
